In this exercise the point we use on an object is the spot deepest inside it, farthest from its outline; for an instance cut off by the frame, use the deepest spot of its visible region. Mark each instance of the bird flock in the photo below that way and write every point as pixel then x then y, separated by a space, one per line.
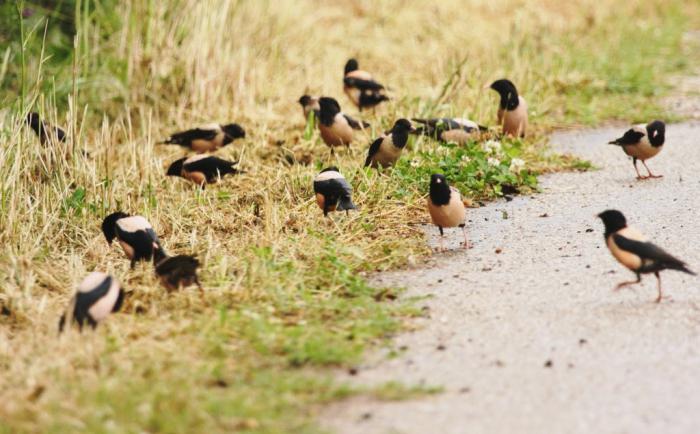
pixel 99 294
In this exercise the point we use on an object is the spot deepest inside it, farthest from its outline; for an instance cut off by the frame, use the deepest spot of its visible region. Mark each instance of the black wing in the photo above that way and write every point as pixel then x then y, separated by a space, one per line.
pixel 85 300
pixel 659 258
pixel 631 137
pixel 373 149
pixel 362 84
pixel 211 167
pixel 333 187
pixel 185 138
pixel 355 125
pixel 141 241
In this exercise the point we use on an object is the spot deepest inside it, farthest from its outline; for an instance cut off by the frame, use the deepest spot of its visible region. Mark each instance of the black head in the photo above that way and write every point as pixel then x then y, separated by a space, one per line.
pixel 34 121
pixel 509 94
pixel 305 100
pixel 613 220
pixel 234 131
pixel 402 126
pixel 656 132
pixel 329 108
pixel 175 168
pixel 351 65
pixel 109 225
pixel 439 189
pixel 227 168
pixel 330 169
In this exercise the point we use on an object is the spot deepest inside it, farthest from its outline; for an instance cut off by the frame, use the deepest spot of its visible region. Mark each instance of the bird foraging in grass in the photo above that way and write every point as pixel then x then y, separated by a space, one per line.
pixel 335 126
pixel 455 130
pixel 333 193
pixel 446 207
pixel 46 132
pixel 309 104
pixel 512 109
pixel 202 169
pixel 98 295
pixel 207 138
pixel 386 150
pixel 361 87
pixel 631 249
pixel 642 142
pixel 176 272
pixel 134 233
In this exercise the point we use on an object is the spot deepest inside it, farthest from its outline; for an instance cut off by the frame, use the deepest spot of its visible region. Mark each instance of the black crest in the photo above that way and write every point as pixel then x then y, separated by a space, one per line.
pixel 656 132
pixel 439 190
pixel 109 225
pixel 613 220
pixel 329 108
pixel 351 65
pixel 509 94
pixel 175 168
pixel 234 131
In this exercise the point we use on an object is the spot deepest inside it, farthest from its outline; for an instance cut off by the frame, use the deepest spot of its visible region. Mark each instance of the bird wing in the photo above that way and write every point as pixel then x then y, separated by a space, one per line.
pixel 188 136
pixel 363 85
pixel 373 149
pixel 186 263
pixel 210 166
pixel 631 137
pixel 141 240
pixel 355 125
pixel 647 250
pixel 84 300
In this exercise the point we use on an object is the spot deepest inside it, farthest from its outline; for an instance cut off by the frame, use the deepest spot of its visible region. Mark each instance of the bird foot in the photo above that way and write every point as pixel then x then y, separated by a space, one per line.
pixel 642 178
pixel 655 176
pixel 465 245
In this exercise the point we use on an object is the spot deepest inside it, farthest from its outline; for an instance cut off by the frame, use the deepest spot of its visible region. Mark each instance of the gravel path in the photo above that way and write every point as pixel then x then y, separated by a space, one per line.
pixel 532 339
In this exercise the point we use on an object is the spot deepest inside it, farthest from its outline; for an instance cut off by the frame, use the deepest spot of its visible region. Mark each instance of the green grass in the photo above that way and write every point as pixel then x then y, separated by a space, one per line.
pixel 286 295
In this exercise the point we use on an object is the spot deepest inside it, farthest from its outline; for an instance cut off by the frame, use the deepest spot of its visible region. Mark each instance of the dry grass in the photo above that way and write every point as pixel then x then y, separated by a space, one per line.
pixel 283 284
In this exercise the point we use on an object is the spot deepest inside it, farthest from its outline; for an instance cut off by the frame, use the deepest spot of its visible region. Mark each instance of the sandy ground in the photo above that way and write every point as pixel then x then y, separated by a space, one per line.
pixel 533 339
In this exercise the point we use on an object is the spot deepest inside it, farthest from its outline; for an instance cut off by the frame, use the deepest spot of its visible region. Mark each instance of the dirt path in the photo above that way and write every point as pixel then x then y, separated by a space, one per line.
pixel 532 339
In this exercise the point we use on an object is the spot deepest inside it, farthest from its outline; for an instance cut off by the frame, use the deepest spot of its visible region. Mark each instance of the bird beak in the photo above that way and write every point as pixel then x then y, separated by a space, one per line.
pixel 412 130
pixel 486 86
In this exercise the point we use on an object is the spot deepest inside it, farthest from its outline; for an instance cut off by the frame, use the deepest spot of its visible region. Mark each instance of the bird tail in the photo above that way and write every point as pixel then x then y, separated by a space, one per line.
pixel 345 203
pixel 680 266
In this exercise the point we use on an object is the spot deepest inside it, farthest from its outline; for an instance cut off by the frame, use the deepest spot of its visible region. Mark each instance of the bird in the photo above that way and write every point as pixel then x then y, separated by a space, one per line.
pixel 134 233
pixel 176 271
pixel 335 126
pixel 386 150
pixel 456 130
pixel 512 109
pixel 446 207
pixel 631 249
pixel 45 131
pixel 361 88
pixel 206 138
pixel 333 193
pixel 642 142
pixel 98 295
pixel 202 169
pixel 309 104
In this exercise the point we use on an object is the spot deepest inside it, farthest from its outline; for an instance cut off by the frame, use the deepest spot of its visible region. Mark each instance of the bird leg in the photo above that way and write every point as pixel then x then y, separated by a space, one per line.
pixel 658 281
pixel 651 175
pixel 442 236
pixel 639 176
pixel 631 282
pixel 466 241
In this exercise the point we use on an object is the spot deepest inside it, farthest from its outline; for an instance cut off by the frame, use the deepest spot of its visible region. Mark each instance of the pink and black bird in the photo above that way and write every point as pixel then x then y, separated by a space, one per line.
pixel 336 127
pixel 631 249
pixel 361 88
pixel 450 130
pixel 512 108
pixel 202 169
pixel 98 295
pixel 386 150
pixel 207 138
pixel 333 193
pixel 176 272
pixel 47 133
pixel 134 234
pixel 446 207
pixel 642 142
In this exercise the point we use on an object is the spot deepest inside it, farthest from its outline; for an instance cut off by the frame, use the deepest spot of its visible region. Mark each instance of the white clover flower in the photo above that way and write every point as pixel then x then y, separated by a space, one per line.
pixel 493 161
pixel 516 165
pixel 492 146
pixel 415 163
pixel 465 159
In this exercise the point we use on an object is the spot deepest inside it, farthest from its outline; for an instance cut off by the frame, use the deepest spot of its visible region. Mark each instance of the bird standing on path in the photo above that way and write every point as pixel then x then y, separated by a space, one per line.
pixel 361 87
pixel 512 109
pixel 98 295
pixel 46 132
pixel 335 126
pixel 455 130
pixel 642 142
pixel 202 169
pixel 386 150
pixel 333 193
pixel 632 250
pixel 207 138
pixel 134 233
pixel 446 207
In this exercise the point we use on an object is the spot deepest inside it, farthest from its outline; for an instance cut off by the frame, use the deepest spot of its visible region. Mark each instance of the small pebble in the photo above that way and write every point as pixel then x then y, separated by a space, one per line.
pixel 548 364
